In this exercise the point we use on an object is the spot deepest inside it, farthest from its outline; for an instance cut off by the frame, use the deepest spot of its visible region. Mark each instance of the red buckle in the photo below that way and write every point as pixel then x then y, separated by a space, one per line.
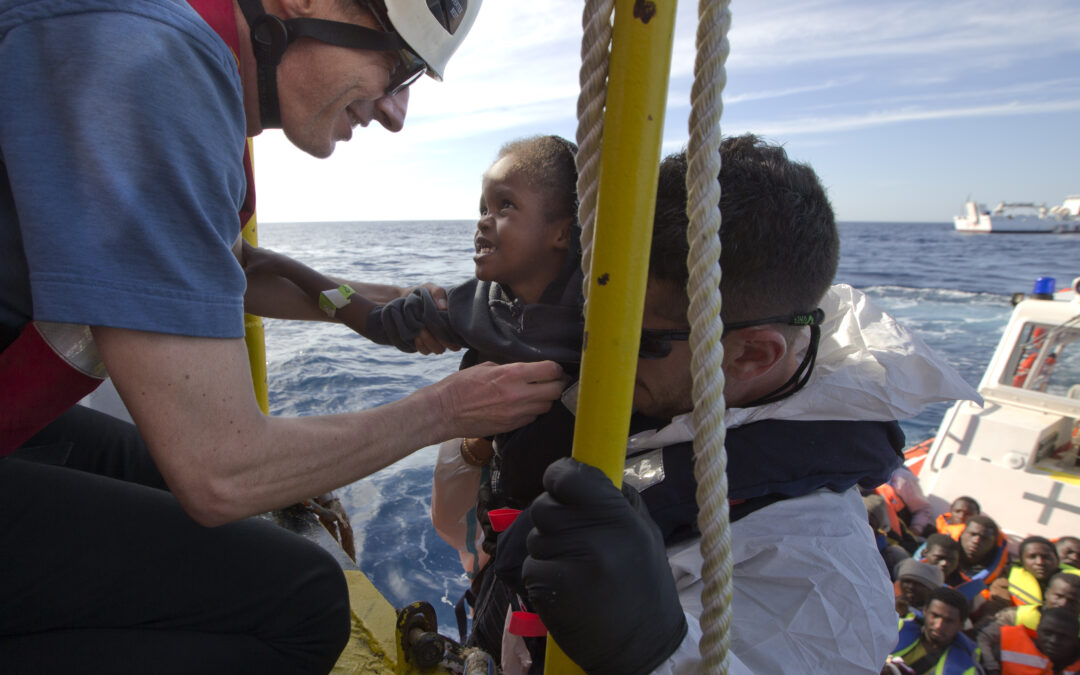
pixel 502 518
pixel 526 624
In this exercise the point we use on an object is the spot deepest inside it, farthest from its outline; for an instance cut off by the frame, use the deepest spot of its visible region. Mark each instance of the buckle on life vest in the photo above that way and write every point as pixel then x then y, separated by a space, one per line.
pixel 501 519
pixel 526 624
pixel 45 371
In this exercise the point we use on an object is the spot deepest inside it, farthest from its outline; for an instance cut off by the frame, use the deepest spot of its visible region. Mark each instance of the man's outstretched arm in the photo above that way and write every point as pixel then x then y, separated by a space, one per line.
pixel 224 459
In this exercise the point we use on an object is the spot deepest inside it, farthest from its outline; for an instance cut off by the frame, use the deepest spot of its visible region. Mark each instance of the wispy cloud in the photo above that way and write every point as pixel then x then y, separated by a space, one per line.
pixel 792 33
pixel 792 91
pixel 808 125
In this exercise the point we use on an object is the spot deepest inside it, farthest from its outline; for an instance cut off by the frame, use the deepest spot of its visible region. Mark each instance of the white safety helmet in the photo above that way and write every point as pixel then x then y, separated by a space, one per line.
pixel 432 28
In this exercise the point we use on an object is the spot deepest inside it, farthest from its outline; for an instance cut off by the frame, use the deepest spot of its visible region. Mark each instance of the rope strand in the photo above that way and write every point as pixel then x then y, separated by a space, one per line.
pixel 595 49
pixel 710 464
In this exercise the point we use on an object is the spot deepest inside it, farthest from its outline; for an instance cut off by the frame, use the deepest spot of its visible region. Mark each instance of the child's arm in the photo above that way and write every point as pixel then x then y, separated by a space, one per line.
pixel 281 287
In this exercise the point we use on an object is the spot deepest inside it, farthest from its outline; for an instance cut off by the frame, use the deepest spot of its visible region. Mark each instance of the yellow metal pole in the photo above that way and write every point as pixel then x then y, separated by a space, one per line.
pixel 253 325
pixel 642 36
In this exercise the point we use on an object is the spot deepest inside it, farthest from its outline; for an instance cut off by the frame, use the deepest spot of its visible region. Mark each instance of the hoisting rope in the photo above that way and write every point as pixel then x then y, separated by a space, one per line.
pixel 706 329
pixel 595 48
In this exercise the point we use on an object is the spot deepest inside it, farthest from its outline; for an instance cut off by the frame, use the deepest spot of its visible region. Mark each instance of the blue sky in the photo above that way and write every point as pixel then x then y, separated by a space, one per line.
pixel 903 108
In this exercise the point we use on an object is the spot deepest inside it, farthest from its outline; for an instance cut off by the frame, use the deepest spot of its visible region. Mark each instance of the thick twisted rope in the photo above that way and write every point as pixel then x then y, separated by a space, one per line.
pixel 710 463
pixel 595 50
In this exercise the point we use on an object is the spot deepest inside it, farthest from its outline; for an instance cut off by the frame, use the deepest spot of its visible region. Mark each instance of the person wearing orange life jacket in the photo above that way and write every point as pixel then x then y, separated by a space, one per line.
pixel 1062 591
pixel 961 510
pixel 984 555
pixel 932 642
pixel 1052 649
pixel 124 121
pixel 908 510
pixel 1032 350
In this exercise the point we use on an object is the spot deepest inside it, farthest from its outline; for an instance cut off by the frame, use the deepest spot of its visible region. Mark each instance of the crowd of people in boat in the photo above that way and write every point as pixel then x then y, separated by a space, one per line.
pixel 967 600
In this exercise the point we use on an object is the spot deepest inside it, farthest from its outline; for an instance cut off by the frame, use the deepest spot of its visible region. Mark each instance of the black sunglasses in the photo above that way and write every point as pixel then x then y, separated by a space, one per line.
pixel 656 344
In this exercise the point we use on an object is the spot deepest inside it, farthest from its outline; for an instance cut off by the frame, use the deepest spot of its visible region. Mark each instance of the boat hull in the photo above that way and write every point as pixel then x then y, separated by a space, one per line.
pixel 1013 225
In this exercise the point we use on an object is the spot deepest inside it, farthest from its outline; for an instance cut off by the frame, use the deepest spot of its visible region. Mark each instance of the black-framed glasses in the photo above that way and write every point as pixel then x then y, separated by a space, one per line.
pixel 813 318
pixel 656 344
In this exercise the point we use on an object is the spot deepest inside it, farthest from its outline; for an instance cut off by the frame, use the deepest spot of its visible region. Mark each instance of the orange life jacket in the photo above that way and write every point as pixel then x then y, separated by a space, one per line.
pixel 1021 656
pixel 945 526
pixel 895 504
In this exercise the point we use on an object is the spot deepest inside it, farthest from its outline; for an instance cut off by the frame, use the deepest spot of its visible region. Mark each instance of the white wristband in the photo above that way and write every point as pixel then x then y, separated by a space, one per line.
pixel 334 299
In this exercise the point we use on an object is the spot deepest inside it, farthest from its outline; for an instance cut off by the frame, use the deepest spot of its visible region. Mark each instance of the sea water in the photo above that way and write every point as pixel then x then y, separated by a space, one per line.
pixel 952 289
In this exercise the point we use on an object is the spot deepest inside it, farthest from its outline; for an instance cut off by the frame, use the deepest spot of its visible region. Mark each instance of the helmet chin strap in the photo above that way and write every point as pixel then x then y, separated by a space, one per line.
pixel 269 40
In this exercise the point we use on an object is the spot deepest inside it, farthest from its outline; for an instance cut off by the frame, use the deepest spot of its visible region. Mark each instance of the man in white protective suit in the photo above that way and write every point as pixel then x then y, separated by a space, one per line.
pixel 815 379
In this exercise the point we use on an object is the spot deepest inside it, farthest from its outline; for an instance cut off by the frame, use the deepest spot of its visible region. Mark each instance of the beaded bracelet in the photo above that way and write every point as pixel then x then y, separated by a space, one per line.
pixel 468 456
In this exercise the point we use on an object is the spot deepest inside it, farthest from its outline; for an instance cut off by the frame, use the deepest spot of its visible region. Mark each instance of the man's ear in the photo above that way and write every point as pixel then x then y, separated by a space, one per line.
pixel 296 8
pixel 754 353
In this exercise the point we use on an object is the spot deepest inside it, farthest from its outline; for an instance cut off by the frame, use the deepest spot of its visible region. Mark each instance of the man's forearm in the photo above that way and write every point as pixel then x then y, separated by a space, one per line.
pixel 223 459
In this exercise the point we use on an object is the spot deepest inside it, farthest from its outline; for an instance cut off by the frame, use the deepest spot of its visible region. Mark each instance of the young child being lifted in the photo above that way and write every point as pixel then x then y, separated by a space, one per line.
pixel 524 304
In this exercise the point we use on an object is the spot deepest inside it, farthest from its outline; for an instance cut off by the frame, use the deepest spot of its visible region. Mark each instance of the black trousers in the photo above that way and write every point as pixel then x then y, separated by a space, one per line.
pixel 101 571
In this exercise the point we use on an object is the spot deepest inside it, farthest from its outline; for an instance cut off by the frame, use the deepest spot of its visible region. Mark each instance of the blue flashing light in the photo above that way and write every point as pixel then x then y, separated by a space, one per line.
pixel 1044 287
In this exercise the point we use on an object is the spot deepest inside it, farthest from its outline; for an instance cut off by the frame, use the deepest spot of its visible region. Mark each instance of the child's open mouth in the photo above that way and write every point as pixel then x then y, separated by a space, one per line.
pixel 483 246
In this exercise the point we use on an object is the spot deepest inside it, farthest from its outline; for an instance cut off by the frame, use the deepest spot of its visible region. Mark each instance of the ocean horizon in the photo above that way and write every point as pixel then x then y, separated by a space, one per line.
pixel 951 289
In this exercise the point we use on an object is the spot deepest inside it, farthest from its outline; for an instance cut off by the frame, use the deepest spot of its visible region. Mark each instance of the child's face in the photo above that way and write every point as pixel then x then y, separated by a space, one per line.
pixel 962 510
pixel 515 244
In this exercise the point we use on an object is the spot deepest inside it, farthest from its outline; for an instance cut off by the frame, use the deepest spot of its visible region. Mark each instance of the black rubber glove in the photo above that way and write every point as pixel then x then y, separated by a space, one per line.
pixel 598 575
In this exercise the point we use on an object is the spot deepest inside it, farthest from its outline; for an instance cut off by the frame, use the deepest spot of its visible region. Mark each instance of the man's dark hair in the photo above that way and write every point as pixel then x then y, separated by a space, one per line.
pixel 952 598
pixel 985 521
pixel 1068 537
pixel 943 541
pixel 549 162
pixel 1063 615
pixel 1066 578
pixel 970 500
pixel 1035 539
pixel 780 245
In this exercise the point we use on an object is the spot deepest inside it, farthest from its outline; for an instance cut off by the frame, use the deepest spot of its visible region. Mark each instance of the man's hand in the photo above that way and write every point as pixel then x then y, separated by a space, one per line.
pixel 999 589
pixel 598 575
pixel 488 399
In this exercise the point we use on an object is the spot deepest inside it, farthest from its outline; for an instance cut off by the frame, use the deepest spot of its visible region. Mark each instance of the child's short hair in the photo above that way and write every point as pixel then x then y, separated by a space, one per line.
pixel 944 542
pixel 550 162
pixel 970 501
pixel 778 232
pixel 952 598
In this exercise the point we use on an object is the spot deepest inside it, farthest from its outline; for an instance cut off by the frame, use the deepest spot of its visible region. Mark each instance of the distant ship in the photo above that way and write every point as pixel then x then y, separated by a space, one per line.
pixel 1021 217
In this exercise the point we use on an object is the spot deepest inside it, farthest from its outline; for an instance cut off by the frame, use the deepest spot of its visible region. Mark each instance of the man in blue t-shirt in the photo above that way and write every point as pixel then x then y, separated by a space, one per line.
pixel 123 128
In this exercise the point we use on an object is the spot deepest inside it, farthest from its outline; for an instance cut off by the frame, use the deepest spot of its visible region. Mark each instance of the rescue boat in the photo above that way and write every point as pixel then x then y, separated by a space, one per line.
pixel 1018 454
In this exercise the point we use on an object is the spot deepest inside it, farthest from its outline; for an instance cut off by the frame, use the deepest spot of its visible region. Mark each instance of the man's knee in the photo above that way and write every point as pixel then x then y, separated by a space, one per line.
pixel 319 605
